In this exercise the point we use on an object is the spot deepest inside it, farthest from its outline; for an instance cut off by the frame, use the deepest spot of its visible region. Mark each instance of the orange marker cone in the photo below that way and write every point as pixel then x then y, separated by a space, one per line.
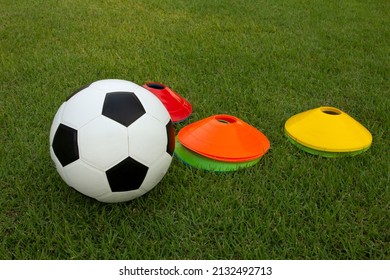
pixel 224 138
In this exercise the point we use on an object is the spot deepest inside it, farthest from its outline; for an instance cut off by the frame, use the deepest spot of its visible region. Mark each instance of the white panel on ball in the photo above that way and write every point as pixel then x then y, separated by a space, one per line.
pixel 156 172
pixel 153 105
pixel 83 107
pixel 152 144
pixel 58 166
pixel 115 85
pixel 56 121
pixel 103 142
pixel 87 179
pixel 150 102
pixel 120 196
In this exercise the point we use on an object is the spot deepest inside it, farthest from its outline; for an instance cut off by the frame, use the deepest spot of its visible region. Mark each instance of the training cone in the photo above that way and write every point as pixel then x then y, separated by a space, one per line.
pixel 178 107
pixel 201 162
pixel 224 138
pixel 329 132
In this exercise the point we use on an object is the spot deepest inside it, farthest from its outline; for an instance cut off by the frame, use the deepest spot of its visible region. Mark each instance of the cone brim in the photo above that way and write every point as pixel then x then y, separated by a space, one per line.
pixel 324 153
pixel 192 159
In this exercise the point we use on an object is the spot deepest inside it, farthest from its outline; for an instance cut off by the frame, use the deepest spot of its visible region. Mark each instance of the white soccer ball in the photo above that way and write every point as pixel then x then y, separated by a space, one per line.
pixel 112 140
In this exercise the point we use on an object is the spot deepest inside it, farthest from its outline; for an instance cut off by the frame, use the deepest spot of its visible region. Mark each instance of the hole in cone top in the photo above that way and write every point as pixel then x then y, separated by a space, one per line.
pixel 155 86
pixel 225 119
pixel 330 111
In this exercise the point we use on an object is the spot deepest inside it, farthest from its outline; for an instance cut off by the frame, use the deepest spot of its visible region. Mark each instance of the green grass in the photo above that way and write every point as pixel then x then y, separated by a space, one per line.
pixel 262 61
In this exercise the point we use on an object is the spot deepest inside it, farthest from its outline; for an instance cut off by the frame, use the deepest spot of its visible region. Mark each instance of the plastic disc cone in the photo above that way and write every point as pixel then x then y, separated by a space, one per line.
pixel 328 131
pixel 178 107
pixel 224 138
pixel 198 161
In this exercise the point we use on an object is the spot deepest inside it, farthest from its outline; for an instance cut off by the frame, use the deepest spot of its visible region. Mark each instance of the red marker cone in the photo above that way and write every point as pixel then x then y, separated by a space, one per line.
pixel 178 107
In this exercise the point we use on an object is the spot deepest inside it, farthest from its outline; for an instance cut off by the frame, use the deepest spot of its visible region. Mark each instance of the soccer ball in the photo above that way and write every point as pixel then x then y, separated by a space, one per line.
pixel 112 140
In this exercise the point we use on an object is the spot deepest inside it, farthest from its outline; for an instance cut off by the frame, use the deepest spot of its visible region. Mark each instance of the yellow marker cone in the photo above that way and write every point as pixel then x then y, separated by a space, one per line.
pixel 328 131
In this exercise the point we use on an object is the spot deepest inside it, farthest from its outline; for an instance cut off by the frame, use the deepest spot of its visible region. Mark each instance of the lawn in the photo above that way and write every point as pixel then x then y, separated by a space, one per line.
pixel 262 61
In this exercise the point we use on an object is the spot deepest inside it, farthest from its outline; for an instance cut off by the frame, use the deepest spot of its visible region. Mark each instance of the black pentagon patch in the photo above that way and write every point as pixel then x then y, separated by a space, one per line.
pixel 127 175
pixel 171 138
pixel 65 144
pixel 123 107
